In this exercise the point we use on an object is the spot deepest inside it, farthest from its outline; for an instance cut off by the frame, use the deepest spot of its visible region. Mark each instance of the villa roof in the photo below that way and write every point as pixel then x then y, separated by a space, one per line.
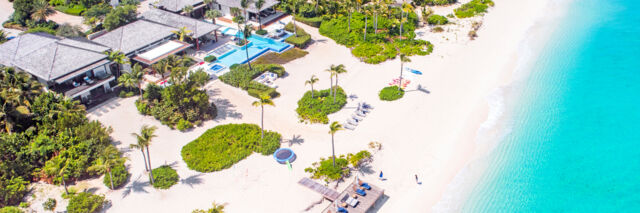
pixel 252 7
pixel 49 57
pixel 198 28
pixel 176 5
pixel 134 36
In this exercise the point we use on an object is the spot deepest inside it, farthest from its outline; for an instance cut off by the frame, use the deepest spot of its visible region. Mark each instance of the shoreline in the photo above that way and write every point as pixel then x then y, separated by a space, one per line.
pixel 499 104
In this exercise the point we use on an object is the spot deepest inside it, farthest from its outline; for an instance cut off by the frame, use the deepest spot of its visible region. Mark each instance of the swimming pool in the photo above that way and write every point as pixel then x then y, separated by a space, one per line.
pixel 230 54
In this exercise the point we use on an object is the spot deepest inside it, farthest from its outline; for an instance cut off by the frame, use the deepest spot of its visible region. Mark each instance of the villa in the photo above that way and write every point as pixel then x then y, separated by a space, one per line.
pixel 77 68
pixel 176 6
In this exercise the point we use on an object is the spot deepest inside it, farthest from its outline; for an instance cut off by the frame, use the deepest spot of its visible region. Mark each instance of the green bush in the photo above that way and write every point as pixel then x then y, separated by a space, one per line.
pixel 85 203
pixel 437 20
pixel 438 2
pixel 473 8
pixel 325 169
pixel 314 21
pixel 301 40
pixel 184 125
pixel 75 10
pixel 12 190
pixel 24 205
pixel 142 107
pixel 261 32
pixel 281 58
pixel 241 76
pixel 120 176
pixel 209 58
pixel 11 209
pixel 50 204
pixel 391 93
pixel 222 146
pixel 316 109
pixel 164 177
pixel 40 30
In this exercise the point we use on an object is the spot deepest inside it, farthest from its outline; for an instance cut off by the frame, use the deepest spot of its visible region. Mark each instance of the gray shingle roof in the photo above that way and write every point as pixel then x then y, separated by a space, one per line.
pixel 49 57
pixel 198 28
pixel 252 7
pixel 176 5
pixel 134 36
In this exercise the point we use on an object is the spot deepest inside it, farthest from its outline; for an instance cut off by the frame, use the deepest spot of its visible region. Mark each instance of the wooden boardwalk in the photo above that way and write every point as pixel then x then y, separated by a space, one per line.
pixel 323 190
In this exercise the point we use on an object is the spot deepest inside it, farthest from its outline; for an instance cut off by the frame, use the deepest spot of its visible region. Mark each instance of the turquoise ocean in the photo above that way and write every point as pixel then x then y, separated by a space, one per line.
pixel 573 143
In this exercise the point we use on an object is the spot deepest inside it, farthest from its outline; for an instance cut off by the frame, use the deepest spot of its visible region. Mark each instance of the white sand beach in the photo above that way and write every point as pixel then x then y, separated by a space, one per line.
pixel 430 132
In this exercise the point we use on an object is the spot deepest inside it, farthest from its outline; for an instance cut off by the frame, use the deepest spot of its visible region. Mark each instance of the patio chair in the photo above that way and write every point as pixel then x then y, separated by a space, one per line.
pixel 366 106
pixel 352 122
pixel 348 126
pixel 356 118
pixel 88 80
pixel 360 113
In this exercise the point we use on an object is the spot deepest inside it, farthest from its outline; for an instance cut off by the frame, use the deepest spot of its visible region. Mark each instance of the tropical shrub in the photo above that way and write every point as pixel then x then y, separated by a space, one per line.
pixel 222 146
pixel 437 20
pixel 11 209
pixel 473 8
pixel 75 10
pixel 242 77
pixel 281 58
pixel 216 208
pixel 434 2
pixel 184 125
pixel 391 93
pixel 24 205
pixel 85 202
pixel 359 158
pixel 301 39
pixel 316 109
pixel 164 177
pixel 120 16
pixel 12 190
pixel 209 58
pixel 120 176
pixel 313 21
pixel 50 204
pixel 324 169
pixel 261 32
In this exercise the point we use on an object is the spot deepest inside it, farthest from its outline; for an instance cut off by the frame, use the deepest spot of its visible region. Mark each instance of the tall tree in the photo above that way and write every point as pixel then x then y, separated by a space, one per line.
pixel 117 57
pixel 109 158
pixel 337 70
pixel 17 89
pixel 246 34
pixel 403 59
pixel 333 128
pixel 133 79
pixel 140 146
pixel 41 10
pixel 261 102
pixel 209 4
pixel 332 73
pixel 147 133
pixel 311 82
pixel 259 4
pixel 212 14
pixel 293 5
pixel 182 33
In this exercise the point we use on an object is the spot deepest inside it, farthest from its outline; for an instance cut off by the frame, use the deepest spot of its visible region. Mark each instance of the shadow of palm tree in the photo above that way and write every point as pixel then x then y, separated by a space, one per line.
pixel 296 139
pixel 353 97
pixel 192 180
pixel 226 109
pixel 420 89
pixel 135 186
pixel 366 169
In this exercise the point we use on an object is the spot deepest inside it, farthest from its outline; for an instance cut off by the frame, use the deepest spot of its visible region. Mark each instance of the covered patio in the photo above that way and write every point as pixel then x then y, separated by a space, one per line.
pixel 161 51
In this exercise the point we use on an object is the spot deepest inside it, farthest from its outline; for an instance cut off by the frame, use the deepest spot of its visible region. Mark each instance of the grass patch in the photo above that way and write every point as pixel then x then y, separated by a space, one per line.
pixel 473 8
pixel 316 109
pixel 242 77
pixel 391 93
pixel 164 177
pixel 222 146
pixel 281 58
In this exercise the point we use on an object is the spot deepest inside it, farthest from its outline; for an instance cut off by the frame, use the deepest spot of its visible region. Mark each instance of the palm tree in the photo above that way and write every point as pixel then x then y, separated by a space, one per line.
pixel 209 3
pixel 246 33
pixel 187 10
pixel 311 81
pixel 237 17
pixel 293 4
pixel 336 70
pixel 41 10
pixel 366 14
pixel 133 79
pixel 117 57
pixel 140 146
pixel 212 14
pixel 245 5
pixel 333 128
pixel 406 8
pixel 182 32
pixel 332 73
pixel 16 91
pixel 259 4
pixel 261 102
pixel 109 158
pixel 147 133
pixel 55 171
pixel 348 4
pixel 161 67
pixel 403 59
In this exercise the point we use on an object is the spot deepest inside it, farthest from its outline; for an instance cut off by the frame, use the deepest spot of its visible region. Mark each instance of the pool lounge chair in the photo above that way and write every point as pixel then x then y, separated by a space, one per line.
pixel 366 186
pixel 360 113
pixel 348 126
pixel 356 118
pixel 340 209
pixel 366 106
pixel 361 192
pixel 352 122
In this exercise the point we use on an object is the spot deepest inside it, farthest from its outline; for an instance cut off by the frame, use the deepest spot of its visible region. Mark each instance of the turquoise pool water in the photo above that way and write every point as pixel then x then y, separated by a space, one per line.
pixel 258 45
pixel 575 139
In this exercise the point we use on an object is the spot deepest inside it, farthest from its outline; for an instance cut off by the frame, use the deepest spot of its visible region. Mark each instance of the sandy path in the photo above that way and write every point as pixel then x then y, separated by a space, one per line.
pixel 430 134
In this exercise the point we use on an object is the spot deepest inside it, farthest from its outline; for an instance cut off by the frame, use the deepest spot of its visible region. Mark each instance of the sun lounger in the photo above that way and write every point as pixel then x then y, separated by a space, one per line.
pixel 348 126
pixel 340 209
pixel 359 113
pixel 352 202
pixel 361 192
pixel 352 122
pixel 366 186
pixel 356 118
pixel 366 106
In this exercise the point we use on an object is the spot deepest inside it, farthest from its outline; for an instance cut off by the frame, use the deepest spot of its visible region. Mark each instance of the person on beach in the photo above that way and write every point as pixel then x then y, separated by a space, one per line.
pixel 417 179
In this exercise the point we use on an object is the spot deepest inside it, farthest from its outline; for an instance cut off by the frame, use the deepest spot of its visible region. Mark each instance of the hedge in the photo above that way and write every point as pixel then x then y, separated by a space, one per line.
pixel 222 146
pixel 75 10
pixel 301 40
pixel 314 21
pixel 391 93
pixel 241 76
pixel 209 58
pixel 261 32
pixel 281 58
pixel 120 176
pixel 164 177
pixel 85 202
pixel 316 109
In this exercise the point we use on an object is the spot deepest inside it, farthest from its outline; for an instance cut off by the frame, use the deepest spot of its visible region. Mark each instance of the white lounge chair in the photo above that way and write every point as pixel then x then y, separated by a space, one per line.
pixel 352 122
pixel 356 118
pixel 348 126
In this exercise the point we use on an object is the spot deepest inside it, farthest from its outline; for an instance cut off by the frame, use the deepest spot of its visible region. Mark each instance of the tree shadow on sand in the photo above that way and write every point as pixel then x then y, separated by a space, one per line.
pixel 420 89
pixel 296 139
pixel 136 186
pixel 192 180
pixel 226 109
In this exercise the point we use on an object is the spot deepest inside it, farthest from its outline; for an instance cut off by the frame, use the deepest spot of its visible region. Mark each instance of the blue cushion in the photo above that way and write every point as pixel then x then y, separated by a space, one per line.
pixel 340 209
pixel 366 186
pixel 361 192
